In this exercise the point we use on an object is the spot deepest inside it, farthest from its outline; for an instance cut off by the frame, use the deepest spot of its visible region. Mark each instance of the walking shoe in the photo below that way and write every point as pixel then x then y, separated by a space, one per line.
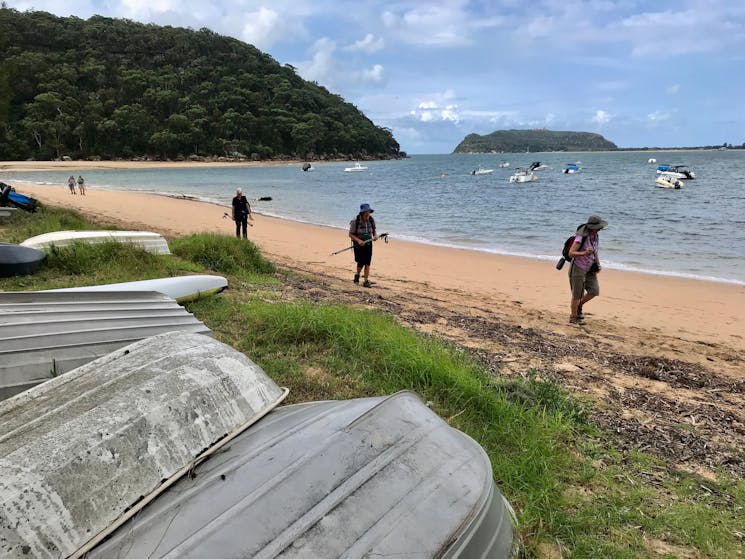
pixel 356 278
pixel 366 283
pixel 579 312
pixel 576 320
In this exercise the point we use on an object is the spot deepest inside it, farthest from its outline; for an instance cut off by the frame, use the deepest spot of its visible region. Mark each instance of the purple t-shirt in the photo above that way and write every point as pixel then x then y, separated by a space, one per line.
pixel 586 261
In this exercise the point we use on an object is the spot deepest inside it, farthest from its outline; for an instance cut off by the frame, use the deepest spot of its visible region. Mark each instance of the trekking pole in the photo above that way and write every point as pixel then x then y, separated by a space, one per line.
pixel 383 236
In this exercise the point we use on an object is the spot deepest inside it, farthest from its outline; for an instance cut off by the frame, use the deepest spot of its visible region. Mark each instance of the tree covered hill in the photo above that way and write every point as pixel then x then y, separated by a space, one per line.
pixel 113 88
pixel 515 141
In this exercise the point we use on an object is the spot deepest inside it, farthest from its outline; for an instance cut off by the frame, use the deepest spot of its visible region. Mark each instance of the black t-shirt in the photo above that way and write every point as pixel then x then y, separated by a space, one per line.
pixel 241 209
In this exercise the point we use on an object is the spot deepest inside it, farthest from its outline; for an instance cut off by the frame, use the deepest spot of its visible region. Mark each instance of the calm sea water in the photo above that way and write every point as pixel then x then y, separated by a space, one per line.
pixel 697 232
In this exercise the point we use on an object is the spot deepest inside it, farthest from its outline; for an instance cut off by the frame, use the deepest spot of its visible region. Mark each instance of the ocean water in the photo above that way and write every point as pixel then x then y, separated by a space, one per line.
pixel 696 232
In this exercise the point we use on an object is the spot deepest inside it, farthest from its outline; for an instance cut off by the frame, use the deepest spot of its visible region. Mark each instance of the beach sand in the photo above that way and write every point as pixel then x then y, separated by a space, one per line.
pixel 654 350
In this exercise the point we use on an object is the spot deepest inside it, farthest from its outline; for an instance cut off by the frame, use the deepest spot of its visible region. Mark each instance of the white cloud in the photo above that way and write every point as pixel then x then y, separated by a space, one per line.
pixel 374 74
pixel 673 89
pixel 369 45
pixel 322 67
pixel 659 116
pixel 601 117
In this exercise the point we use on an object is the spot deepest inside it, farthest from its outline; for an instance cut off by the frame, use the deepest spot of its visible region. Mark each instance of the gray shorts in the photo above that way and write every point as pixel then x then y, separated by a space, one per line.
pixel 581 281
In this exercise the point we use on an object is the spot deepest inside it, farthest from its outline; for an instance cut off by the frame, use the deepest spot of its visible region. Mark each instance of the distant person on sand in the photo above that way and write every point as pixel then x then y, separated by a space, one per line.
pixel 362 232
pixel 241 213
pixel 81 184
pixel 71 184
pixel 583 273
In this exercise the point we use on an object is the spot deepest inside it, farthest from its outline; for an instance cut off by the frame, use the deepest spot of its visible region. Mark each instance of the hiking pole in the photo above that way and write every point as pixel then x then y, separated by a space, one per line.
pixel 383 236
pixel 227 216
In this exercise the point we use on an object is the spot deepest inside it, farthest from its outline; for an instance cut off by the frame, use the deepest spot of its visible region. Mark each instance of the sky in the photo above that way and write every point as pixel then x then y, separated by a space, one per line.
pixel 641 73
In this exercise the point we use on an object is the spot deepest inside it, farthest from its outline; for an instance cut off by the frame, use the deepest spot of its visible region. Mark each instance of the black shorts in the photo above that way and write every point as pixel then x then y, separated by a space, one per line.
pixel 363 254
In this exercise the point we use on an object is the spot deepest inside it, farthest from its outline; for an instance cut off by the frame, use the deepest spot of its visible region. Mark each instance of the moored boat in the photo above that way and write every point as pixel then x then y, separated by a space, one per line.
pixel 356 168
pixel 572 168
pixel 668 181
pixel 676 171
pixel 482 171
pixel 151 242
pixel 522 175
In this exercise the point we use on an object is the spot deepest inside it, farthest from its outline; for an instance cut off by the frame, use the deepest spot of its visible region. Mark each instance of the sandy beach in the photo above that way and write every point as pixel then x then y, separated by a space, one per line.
pixel 680 308
pixel 662 356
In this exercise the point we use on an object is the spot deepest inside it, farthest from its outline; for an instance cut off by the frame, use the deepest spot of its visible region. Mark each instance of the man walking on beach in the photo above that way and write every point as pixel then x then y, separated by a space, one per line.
pixel 81 184
pixel 583 273
pixel 241 213
pixel 362 232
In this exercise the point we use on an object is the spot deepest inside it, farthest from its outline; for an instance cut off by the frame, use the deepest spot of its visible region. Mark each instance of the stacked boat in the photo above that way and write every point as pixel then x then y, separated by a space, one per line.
pixel 151 242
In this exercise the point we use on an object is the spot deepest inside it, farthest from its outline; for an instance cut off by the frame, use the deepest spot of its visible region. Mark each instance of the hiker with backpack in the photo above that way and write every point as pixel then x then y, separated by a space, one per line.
pixel 583 273
pixel 362 232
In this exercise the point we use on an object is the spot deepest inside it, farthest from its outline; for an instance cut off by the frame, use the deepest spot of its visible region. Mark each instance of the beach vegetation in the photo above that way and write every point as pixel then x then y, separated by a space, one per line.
pixel 575 493
pixel 106 88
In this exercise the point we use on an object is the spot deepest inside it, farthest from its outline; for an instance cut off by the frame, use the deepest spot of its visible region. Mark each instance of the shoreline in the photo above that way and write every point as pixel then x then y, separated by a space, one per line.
pixel 680 308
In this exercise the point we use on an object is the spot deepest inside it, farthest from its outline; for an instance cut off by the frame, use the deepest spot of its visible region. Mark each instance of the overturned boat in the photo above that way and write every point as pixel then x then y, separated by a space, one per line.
pixel 146 240
pixel 371 477
pixel 44 334
pixel 17 260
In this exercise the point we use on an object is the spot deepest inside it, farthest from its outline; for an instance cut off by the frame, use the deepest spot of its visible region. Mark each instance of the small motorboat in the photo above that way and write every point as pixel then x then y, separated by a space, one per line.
pixel 522 175
pixel 668 181
pixel 537 166
pixel 676 171
pixel 504 164
pixel 572 168
pixel 651 160
pixel 356 169
pixel 308 167
pixel 482 171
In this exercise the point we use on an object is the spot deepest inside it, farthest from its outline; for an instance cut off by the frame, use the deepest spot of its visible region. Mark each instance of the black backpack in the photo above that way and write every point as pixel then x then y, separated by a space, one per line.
pixel 568 244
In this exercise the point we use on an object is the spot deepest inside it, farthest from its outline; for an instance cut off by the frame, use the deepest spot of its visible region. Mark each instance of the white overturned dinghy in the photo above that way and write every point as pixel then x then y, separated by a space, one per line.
pixel 180 288
pixel 373 477
pixel 45 334
pixel 85 451
pixel 151 242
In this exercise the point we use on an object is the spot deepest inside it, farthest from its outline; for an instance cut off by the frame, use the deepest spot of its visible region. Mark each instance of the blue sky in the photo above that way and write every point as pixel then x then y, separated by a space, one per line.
pixel 640 73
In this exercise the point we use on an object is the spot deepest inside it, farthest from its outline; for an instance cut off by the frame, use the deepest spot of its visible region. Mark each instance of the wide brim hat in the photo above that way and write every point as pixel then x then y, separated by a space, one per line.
pixel 366 208
pixel 594 223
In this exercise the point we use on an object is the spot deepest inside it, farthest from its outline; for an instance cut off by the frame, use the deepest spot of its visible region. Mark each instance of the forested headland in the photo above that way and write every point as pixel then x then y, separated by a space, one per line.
pixel 516 141
pixel 107 88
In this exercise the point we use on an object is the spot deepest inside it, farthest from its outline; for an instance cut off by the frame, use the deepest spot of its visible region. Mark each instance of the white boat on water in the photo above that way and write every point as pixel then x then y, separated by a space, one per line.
pixel 356 169
pixel 537 166
pixel 181 288
pixel 522 175
pixel 676 171
pixel 668 181
pixel 504 164
pixel 572 168
pixel 482 171
pixel 151 242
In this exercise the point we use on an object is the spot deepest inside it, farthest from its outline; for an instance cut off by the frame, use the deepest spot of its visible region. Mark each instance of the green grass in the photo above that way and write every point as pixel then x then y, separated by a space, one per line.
pixel 575 494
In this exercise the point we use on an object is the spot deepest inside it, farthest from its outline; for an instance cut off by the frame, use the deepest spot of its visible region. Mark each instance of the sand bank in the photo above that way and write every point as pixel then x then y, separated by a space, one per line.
pixel 698 311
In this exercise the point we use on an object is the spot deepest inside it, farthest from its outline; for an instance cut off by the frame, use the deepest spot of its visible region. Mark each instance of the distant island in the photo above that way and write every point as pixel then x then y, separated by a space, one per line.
pixel 516 141
pixel 541 140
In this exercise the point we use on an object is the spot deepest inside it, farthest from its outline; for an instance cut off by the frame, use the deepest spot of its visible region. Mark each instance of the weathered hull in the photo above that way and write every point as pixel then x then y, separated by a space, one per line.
pixel 17 260
pixel 151 242
pixel 82 451
pixel 44 334
pixel 374 477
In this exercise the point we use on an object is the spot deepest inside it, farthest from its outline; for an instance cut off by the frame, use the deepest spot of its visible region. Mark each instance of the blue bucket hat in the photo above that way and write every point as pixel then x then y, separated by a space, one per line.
pixel 366 208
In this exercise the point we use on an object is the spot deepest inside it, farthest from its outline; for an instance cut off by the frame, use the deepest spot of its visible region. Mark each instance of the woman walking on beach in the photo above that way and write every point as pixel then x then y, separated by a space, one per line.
pixel 362 232
pixel 583 273
pixel 71 184
pixel 241 213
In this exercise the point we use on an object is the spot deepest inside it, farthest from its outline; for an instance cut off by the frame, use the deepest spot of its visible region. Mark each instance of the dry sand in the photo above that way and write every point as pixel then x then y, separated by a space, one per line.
pixel 662 356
